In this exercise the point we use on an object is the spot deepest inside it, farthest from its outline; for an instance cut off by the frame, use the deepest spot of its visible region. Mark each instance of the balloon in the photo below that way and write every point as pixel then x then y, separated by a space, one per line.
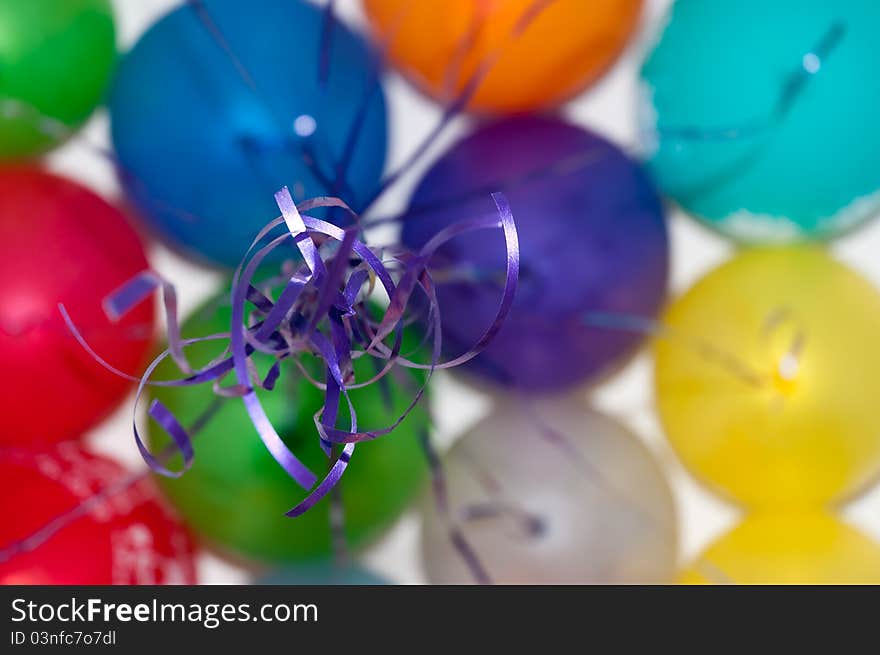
pixel 322 573
pixel 807 548
pixel 768 133
pixel 57 59
pixel 235 495
pixel 553 494
pixel 123 536
pixel 205 137
pixel 768 377
pixel 60 243
pixel 592 239
pixel 540 53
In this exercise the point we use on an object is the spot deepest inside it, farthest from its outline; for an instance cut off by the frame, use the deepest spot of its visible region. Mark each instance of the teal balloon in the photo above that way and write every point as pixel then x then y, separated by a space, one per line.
pixel 323 573
pixel 761 117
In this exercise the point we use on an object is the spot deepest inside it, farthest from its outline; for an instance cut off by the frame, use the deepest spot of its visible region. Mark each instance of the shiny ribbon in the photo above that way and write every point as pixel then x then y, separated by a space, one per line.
pixel 320 311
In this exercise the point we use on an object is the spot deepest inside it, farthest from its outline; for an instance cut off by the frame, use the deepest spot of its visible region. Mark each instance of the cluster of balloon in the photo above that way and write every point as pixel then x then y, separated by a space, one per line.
pixel 221 103
pixel 60 243
pixel 323 573
pixel 768 376
pixel 57 60
pixel 552 494
pixel 233 476
pixel 741 135
pixel 794 548
pixel 592 240
pixel 524 54
pixel 84 523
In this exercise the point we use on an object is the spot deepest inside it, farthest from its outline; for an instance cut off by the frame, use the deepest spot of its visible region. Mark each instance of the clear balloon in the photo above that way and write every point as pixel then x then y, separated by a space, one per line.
pixel 551 492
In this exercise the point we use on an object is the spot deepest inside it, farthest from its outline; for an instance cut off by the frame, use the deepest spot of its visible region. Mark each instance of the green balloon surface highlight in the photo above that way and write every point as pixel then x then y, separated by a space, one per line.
pixel 235 495
pixel 56 58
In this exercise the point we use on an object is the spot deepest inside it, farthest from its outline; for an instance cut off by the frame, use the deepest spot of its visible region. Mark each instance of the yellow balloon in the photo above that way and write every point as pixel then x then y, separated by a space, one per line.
pixel 809 548
pixel 767 378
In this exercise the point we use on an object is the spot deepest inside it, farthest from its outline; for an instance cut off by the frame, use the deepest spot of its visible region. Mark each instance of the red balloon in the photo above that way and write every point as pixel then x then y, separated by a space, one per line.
pixel 59 242
pixel 126 535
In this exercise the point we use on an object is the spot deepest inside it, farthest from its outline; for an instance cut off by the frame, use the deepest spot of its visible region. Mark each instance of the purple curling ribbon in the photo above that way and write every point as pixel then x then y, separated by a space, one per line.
pixel 133 292
pixel 319 312
pixel 298 471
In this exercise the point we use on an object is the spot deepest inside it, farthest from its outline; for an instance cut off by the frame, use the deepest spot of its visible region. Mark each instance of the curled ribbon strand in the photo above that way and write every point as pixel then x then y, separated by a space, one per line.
pixel 320 311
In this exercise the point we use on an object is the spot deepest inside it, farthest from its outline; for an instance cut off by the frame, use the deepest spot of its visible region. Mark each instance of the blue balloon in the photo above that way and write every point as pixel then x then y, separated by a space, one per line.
pixel 762 115
pixel 222 103
pixel 322 573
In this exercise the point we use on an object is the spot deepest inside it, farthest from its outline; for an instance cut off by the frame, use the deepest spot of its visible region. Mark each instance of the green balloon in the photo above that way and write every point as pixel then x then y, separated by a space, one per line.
pixel 235 495
pixel 56 57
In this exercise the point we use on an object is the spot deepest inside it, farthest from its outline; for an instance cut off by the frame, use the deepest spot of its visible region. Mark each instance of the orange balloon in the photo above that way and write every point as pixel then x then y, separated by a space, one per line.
pixel 539 52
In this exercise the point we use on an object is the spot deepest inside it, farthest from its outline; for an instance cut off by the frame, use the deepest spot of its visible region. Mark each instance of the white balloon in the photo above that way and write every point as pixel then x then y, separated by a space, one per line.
pixel 552 492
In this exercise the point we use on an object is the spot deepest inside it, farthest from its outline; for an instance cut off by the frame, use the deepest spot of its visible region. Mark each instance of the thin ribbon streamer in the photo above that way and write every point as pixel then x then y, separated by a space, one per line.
pixel 320 312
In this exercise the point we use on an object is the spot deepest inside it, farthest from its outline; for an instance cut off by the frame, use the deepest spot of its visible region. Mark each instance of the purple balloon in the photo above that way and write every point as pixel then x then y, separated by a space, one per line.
pixel 592 237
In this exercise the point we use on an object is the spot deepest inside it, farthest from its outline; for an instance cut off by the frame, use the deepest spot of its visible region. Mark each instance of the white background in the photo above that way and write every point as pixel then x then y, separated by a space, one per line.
pixel 609 108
